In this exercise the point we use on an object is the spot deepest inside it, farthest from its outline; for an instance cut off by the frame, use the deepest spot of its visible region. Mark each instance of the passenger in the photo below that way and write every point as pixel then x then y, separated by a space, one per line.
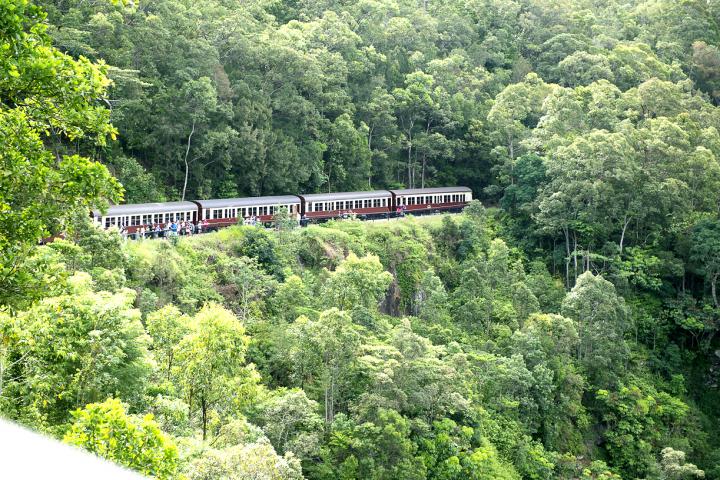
pixel 205 225
pixel 173 228
pixel 199 227
pixel 158 230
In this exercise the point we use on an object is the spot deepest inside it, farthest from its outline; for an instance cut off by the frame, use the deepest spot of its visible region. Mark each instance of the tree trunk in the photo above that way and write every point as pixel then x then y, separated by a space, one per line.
pixel 409 165
pixel 567 258
pixel 713 288
pixel 511 151
pixel 187 165
pixel 203 404
pixel 575 246
pixel 626 222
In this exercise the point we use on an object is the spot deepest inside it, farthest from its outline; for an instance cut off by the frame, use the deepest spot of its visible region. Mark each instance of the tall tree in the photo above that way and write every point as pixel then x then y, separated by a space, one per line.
pixel 46 99
pixel 211 359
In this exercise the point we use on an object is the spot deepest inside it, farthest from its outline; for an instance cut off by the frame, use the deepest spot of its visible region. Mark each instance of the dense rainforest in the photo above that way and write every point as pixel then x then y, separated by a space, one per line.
pixel 562 327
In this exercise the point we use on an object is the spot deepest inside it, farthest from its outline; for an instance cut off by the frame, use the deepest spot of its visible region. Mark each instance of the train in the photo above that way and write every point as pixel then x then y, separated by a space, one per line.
pixel 310 208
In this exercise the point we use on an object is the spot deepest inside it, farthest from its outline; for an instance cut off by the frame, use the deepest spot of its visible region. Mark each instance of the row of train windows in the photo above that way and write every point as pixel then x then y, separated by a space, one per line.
pixel 430 199
pixel 350 204
pixel 135 220
pixel 218 213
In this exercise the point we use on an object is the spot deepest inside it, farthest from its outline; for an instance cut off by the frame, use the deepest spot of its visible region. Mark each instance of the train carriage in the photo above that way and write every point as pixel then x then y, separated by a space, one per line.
pixel 375 203
pixel 312 207
pixel 132 216
pixel 431 199
pixel 224 212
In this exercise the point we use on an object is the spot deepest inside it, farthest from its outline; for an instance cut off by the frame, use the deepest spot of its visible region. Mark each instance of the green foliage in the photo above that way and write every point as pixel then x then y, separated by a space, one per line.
pixel 74 349
pixel 569 333
pixel 45 97
pixel 209 358
pixel 602 320
pixel 639 420
pixel 356 283
pixel 106 430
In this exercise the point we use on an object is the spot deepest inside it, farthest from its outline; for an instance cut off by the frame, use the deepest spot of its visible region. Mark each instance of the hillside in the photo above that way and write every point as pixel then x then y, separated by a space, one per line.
pixel 564 326
pixel 416 348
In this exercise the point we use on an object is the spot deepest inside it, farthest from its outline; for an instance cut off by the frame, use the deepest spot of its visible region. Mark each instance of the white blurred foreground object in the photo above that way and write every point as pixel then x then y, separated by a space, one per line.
pixel 28 455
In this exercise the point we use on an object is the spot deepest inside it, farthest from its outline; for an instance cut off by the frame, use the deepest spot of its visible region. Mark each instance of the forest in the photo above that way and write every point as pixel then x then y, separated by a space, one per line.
pixel 562 327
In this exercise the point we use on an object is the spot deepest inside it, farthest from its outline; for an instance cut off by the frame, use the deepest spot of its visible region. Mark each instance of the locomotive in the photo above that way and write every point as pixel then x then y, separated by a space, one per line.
pixel 315 207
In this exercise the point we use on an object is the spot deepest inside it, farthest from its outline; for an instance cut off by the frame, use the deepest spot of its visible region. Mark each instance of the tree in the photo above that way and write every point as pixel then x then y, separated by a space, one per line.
pixel 515 111
pixel 420 110
pixel 602 320
pixel 381 450
pixel 705 253
pixel 706 60
pixel 675 468
pixel 257 460
pixel 198 100
pixel 322 352
pixel 356 283
pixel 209 359
pixel 638 421
pixel 548 342
pixel 74 349
pixel 106 430
pixel 347 157
pixel 290 422
pixel 46 98
pixel 167 327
